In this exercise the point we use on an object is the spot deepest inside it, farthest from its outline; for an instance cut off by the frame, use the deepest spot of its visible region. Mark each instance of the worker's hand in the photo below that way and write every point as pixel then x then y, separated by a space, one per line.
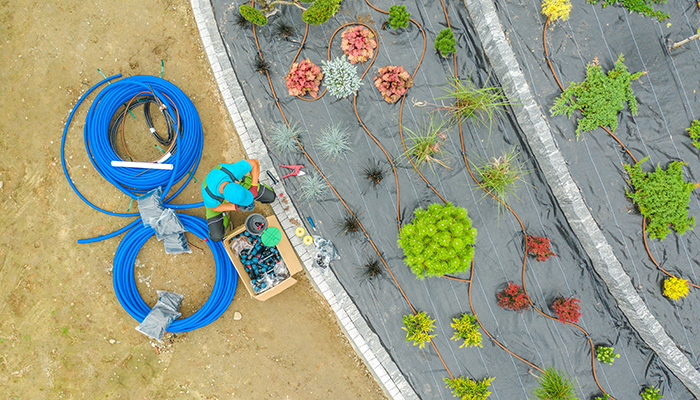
pixel 254 190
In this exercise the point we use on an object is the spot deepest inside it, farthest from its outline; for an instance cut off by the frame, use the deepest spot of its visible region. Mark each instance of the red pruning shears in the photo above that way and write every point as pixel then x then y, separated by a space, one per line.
pixel 297 170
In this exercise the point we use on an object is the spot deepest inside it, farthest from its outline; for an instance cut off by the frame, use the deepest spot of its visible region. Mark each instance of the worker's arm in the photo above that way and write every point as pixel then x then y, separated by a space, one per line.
pixel 225 207
pixel 254 170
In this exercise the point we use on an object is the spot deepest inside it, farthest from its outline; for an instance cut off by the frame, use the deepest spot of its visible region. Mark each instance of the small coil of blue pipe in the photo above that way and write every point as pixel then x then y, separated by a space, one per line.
pixel 129 297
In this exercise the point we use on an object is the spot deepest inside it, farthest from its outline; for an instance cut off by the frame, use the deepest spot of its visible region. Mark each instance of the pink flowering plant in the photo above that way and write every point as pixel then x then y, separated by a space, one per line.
pixel 358 44
pixel 392 82
pixel 304 77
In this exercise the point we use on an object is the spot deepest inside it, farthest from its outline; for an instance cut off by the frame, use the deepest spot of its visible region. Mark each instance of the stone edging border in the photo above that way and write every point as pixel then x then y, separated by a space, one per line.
pixel 552 163
pixel 365 342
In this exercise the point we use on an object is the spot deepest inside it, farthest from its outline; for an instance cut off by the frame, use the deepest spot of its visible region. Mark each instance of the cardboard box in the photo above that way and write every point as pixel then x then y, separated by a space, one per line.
pixel 286 251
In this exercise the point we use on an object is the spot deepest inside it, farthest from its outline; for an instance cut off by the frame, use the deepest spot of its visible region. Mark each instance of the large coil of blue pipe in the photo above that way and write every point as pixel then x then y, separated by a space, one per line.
pixel 125 283
pixel 187 153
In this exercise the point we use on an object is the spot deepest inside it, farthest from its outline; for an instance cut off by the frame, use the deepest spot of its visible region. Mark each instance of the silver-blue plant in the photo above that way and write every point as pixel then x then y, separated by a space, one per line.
pixel 340 77
pixel 283 139
pixel 312 188
pixel 333 141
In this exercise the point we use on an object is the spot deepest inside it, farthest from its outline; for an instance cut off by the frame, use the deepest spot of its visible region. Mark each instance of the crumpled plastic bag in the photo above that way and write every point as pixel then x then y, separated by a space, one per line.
pixel 162 315
pixel 176 244
pixel 239 244
pixel 326 252
pixel 150 205
pixel 168 223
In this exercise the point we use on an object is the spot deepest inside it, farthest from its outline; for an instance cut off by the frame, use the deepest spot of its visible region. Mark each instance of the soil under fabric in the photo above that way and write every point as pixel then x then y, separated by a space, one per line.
pixel 499 248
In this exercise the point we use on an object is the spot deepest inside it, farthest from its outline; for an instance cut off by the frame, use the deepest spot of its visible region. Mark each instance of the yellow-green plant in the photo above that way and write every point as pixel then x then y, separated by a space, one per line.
pixel 694 132
pixel 675 288
pixel 418 328
pixel 438 241
pixel 466 329
pixel 606 354
pixel 556 9
pixel 467 389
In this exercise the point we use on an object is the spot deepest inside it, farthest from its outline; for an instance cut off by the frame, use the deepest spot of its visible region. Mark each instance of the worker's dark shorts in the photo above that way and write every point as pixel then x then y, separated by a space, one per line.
pixel 265 194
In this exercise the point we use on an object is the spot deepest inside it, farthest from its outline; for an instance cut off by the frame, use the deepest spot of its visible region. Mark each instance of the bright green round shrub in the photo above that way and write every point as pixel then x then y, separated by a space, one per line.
pixel 438 241
pixel 445 42
pixel 252 15
pixel 320 11
pixel 398 17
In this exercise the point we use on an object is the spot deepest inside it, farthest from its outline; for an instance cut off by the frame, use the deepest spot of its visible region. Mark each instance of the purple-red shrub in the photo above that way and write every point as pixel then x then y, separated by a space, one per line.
pixel 539 247
pixel 392 82
pixel 513 298
pixel 567 309
pixel 304 77
pixel 358 44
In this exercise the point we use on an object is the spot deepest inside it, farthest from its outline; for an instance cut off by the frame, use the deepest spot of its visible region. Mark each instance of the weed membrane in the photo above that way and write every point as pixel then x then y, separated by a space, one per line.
pixel 499 249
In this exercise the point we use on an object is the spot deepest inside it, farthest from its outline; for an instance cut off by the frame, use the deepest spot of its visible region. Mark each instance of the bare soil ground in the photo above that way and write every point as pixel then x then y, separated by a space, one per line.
pixel 63 334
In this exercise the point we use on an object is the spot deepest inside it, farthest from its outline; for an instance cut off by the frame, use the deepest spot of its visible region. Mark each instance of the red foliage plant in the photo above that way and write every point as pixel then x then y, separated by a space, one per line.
pixel 358 43
pixel 513 298
pixel 304 77
pixel 567 309
pixel 539 247
pixel 392 82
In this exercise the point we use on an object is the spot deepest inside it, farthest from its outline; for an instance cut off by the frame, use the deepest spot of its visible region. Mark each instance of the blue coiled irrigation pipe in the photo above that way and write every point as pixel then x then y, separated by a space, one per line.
pixel 101 156
pixel 129 297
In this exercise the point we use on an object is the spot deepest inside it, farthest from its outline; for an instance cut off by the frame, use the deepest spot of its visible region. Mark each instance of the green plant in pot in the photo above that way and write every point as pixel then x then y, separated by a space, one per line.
pixel 468 389
pixel 662 197
pixel 418 328
pixel 438 241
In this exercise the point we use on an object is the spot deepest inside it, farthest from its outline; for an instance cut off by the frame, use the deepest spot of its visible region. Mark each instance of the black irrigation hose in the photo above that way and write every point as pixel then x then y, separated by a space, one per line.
pixel 143 101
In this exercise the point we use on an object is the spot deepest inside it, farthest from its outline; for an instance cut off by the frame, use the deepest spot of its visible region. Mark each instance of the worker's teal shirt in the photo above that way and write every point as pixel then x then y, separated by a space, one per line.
pixel 233 192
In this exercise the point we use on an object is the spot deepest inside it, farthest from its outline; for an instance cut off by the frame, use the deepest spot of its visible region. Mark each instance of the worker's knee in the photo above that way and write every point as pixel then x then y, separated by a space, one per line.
pixel 266 195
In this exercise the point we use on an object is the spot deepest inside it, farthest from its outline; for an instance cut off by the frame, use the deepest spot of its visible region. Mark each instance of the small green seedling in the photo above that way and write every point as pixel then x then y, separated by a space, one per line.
pixel 467 329
pixel 445 42
pixel 418 328
pixel 467 389
pixel 606 355
pixel 651 393
pixel 398 17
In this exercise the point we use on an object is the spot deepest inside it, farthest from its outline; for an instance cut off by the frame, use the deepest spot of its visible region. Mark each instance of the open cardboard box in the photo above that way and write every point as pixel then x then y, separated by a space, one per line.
pixel 286 251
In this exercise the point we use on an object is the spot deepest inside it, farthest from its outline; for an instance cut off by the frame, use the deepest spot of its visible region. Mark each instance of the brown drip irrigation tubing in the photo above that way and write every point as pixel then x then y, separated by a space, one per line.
pixel 177 127
pixel 646 246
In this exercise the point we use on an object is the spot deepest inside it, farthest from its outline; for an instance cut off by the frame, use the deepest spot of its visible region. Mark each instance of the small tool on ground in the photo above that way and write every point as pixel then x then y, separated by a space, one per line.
pixel 296 170
pixel 274 181
pixel 311 221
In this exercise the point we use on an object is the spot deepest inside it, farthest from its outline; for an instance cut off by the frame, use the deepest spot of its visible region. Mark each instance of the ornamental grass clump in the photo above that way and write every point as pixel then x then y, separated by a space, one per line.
pixel 513 297
pixel 358 44
pixel 554 386
pixel 333 141
pixel 675 288
pixel 304 77
pixel 284 138
pixel 662 197
pixel 466 329
pixel 398 17
pixel 374 173
pixel 341 77
pixel 600 97
pixel 424 146
pixel 467 389
pixel 371 270
pixel 643 7
pixel 651 393
pixel 472 102
pixel 445 42
pixel 312 188
pixel 556 9
pixel 606 354
pixel 539 247
pixel 501 175
pixel 438 241
pixel 418 328
pixel 349 224
pixel 694 132
pixel 567 309
pixel 392 82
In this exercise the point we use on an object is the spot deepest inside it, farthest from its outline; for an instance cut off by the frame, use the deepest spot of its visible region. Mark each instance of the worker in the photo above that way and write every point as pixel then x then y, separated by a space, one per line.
pixel 232 187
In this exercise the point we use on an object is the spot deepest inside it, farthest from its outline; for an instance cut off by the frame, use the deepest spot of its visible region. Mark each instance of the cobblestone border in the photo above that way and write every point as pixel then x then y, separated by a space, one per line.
pixel 552 163
pixel 365 342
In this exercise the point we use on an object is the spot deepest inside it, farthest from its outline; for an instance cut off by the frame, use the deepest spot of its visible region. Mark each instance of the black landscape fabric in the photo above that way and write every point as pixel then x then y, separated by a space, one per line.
pixel 595 163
